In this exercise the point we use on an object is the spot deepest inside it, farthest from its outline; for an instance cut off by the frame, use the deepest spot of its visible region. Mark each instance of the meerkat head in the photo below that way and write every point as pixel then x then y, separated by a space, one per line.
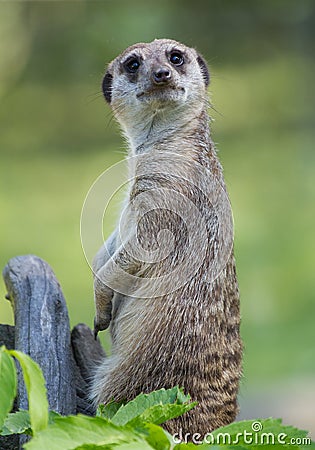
pixel 160 81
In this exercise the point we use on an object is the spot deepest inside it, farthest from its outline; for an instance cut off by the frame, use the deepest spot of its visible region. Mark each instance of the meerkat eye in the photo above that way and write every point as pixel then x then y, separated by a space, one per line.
pixel 132 64
pixel 176 58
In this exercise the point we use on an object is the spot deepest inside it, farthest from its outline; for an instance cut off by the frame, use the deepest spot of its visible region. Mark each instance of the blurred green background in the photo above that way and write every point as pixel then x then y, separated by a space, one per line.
pixel 57 136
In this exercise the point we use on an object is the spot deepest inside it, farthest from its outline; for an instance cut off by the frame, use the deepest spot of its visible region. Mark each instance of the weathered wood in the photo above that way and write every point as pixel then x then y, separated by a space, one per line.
pixel 7 336
pixel 87 353
pixel 42 329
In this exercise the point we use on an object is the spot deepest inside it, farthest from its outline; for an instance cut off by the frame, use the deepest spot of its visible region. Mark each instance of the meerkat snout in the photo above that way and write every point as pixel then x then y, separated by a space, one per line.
pixel 162 75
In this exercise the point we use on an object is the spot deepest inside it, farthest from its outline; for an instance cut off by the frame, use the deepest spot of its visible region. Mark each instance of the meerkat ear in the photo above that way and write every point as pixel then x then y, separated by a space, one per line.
pixel 204 69
pixel 107 86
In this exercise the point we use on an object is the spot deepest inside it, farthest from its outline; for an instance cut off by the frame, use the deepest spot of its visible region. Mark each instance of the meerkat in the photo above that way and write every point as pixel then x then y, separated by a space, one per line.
pixel 165 281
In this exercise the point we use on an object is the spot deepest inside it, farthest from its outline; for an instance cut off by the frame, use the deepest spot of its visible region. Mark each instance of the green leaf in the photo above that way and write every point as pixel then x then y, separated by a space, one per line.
pixel 74 431
pixel 158 438
pixel 17 423
pixel 109 410
pixel 94 447
pixel 7 384
pixel 190 446
pixel 52 415
pixel 134 446
pixel 156 407
pixel 159 414
pixel 129 446
pixel 36 391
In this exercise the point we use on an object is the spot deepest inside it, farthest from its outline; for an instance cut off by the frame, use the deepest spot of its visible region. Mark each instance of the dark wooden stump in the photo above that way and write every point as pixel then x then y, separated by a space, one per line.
pixel 42 328
pixel 42 331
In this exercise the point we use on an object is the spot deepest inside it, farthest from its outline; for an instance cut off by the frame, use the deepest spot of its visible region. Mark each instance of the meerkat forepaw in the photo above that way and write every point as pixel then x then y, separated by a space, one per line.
pixel 101 324
pixel 102 318
pixel 103 302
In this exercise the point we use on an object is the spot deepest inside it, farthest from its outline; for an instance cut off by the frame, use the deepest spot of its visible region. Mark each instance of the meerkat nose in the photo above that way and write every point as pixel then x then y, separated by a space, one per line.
pixel 162 75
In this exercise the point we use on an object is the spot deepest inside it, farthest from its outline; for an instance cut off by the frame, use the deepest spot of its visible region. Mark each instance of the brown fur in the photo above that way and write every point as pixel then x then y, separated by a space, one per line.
pixel 162 337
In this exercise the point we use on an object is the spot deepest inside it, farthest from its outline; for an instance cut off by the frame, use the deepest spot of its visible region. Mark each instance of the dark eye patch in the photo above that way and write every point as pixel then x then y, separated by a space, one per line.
pixel 176 58
pixel 132 64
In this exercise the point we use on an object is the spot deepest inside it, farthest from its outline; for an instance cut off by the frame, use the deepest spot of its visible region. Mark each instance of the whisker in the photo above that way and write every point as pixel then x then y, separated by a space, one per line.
pixel 92 97
pixel 210 105
pixel 94 93
pixel 111 119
